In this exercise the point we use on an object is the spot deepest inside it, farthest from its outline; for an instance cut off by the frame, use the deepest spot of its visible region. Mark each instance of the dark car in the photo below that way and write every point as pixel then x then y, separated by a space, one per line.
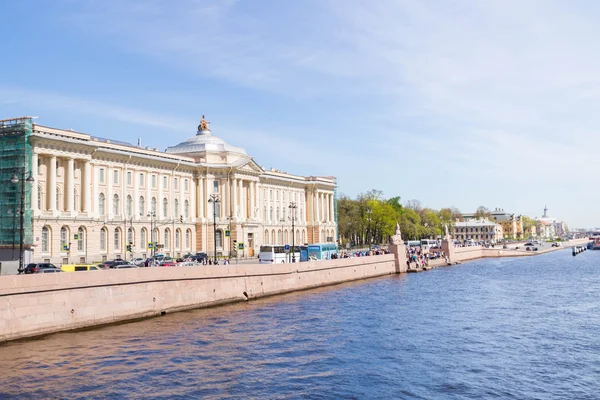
pixel 531 248
pixel 34 267
pixel 114 263
pixel 555 244
pixel 200 257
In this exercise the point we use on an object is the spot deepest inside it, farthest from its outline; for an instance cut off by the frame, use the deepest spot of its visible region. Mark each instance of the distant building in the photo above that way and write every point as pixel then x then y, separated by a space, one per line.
pixel 512 225
pixel 551 227
pixel 477 230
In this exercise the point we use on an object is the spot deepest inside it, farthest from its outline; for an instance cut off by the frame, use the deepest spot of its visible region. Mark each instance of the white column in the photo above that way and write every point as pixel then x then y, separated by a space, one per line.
pixel 331 208
pixel 86 186
pixel 317 208
pixel 242 200
pixel 94 190
pixel 136 194
pixel 109 193
pixel 159 201
pixel 181 189
pixel 70 186
pixel 148 198
pixel 234 197
pixel 34 188
pixel 192 197
pixel 52 184
pixel 252 190
pixel 201 199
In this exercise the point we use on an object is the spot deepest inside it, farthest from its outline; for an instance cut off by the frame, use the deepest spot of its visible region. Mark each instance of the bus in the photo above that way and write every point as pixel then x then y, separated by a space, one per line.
pixel 322 251
pixel 276 254
pixel 427 244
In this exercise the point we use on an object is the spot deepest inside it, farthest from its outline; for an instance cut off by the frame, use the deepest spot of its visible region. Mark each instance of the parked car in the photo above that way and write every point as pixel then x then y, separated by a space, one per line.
pixel 34 267
pixel 529 244
pixel 47 270
pixel 114 263
pixel 138 261
pixel 124 266
pixel 167 263
pixel 555 244
pixel 189 264
pixel 531 248
pixel 80 267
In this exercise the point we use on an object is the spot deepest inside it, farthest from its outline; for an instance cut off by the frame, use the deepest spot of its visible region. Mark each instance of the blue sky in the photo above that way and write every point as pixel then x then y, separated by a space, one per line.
pixel 455 103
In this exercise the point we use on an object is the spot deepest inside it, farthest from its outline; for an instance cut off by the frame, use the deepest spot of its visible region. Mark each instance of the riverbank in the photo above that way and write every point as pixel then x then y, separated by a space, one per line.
pixel 38 304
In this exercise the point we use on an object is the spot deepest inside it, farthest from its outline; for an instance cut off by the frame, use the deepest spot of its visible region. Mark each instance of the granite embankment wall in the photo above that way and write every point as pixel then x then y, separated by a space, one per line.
pixel 32 305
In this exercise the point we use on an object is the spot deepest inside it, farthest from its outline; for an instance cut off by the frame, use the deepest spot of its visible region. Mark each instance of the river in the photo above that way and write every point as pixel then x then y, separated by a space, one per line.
pixel 524 328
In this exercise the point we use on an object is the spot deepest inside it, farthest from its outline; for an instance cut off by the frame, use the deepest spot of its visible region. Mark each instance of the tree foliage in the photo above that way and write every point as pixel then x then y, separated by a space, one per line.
pixel 370 219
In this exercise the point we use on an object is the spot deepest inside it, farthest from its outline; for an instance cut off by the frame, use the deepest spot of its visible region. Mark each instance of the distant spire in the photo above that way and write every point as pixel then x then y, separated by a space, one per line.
pixel 545 212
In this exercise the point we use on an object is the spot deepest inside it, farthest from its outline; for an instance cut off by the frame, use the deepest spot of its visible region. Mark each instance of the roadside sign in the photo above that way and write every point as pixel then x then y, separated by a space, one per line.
pixel 227 233
pixel 76 236
pixel 65 247
pixel 287 248
pixel 348 245
pixel 240 246
pixel 150 245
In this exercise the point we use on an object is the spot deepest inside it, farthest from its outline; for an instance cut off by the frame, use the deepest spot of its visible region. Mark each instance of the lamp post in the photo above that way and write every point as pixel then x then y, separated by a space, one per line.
pixel 214 198
pixel 15 179
pixel 152 216
pixel 369 233
pixel 292 208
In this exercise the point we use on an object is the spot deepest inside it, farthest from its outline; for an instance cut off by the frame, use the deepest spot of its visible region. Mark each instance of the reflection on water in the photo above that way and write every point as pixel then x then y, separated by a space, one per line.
pixel 520 328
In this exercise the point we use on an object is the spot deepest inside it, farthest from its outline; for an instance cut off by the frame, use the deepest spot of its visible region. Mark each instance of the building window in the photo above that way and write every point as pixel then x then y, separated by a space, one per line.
pixel 165 207
pixel 116 177
pixel 153 181
pixel 165 184
pixel 102 175
pixel 143 244
pixel 303 236
pixel 176 183
pixel 153 206
pixel 129 206
pixel 45 239
pixel 117 243
pixel 277 214
pixel 64 238
pixel 129 178
pixel 103 239
pixel 277 195
pixel 167 239
pixel 142 206
pixel 188 239
pixel 219 238
pixel 176 208
pixel 58 205
pixel 80 242
pixel 116 205
pixel 266 238
pixel 215 186
pixel 186 185
pixel 130 236
pixel 177 239
pixel 39 199
pixel 142 181
pixel 271 215
pixel 273 237
pixel 186 209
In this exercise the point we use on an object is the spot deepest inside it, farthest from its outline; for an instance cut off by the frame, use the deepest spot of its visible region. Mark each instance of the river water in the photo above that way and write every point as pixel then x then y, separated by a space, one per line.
pixel 523 328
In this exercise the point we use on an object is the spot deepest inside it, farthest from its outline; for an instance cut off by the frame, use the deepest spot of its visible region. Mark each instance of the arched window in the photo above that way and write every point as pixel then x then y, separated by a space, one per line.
pixel 285 237
pixel 45 239
pixel 130 236
pixel 273 237
pixel 153 205
pixel 155 236
pixel 271 215
pixel 219 238
pixel 116 205
pixel 265 213
pixel 129 206
pixel 117 241
pixel 167 238
pixel 177 239
pixel 277 214
pixel 266 238
pixel 80 239
pixel 64 238
pixel 186 209
pixel 142 206
pixel 101 204
pixel 143 244
pixel 301 215
pixel 297 238
pixel 103 237
pixel 165 208
pixel 176 202
pixel 279 236
pixel 303 236
pixel 188 239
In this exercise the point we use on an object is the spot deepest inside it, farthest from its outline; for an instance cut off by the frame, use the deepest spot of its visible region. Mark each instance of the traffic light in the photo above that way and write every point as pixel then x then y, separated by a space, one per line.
pixel 235 244
pixel 181 219
pixel 129 248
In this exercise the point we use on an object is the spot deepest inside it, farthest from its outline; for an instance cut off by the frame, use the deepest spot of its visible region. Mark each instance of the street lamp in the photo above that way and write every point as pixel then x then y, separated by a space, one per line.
pixel 370 234
pixel 152 216
pixel 15 179
pixel 292 208
pixel 214 198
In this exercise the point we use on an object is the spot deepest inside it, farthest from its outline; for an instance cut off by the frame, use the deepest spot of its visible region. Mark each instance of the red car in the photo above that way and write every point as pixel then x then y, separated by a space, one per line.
pixel 167 264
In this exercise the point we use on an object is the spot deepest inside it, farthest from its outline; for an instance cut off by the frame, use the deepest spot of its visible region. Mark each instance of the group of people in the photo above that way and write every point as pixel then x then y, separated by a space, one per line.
pixel 421 258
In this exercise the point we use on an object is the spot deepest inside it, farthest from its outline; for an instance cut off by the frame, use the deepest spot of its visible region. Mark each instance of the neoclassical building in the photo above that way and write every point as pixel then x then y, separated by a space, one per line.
pixel 93 197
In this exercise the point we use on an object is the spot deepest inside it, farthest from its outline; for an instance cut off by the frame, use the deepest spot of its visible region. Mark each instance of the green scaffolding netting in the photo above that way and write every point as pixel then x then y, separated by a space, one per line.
pixel 15 159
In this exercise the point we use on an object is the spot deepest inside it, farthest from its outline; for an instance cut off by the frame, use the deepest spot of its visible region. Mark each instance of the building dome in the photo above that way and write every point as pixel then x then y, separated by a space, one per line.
pixel 204 142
